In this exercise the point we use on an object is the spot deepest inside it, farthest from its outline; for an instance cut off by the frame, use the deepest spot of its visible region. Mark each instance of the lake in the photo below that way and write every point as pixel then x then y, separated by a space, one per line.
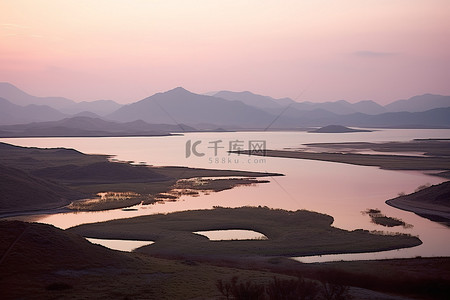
pixel 340 190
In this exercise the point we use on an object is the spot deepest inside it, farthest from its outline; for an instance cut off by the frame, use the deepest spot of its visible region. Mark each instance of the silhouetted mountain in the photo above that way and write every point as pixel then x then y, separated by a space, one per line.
pixel 64 105
pixel 15 114
pixel 227 110
pixel 45 251
pixel 419 103
pixel 342 107
pixel 87 114
pixel 181 106
pixel 369 107
pixel 275 106
pixel 99 107
pixel 254 99
pixel 434 118
pixel 86 126
pixel 19 97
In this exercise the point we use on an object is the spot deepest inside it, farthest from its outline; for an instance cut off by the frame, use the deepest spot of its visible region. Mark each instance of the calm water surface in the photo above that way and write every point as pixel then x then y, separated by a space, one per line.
pixel 340 190
pixel 122 245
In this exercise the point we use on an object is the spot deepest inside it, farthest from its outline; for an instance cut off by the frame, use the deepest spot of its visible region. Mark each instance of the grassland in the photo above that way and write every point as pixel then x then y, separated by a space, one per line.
pixel 34 179
pixel 380 219
pixel 289 234
pixel 430 202
pixel 39 261
pixel 42 262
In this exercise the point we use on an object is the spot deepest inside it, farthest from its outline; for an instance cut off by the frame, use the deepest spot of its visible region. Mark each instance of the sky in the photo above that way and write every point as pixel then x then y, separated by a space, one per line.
pixel 310 50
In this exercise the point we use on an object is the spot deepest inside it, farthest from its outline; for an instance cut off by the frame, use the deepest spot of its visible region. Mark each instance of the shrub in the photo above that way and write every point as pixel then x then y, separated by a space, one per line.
pixel 333 287
pixel 58 286
pixel 422 187
pixel 294 289
pixel 278 289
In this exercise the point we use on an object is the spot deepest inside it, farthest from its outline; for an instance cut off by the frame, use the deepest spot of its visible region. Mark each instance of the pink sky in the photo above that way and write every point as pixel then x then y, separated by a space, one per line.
pixel 382 50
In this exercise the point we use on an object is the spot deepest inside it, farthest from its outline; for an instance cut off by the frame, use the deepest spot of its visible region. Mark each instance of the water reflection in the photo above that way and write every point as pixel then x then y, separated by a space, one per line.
pixel 340 190
pixel 122 245
pixel 232 234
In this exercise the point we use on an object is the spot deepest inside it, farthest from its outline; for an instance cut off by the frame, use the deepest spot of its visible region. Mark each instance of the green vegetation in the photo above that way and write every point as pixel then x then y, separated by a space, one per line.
pixel 289 233
pixel 380 219
pixel 431 202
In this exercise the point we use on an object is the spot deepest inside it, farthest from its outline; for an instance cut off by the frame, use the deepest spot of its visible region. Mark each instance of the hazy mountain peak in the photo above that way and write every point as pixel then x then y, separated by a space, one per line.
pixel 367 101
pixel 343 102
pixel 178 90
pixel 64 105
pixel 419 103
pixel 7 85
pixel 12 93
pixel 252 99
pixel 19 97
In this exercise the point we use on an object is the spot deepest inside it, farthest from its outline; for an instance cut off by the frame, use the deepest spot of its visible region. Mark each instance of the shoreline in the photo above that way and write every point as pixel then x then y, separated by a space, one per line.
pixel 430 202
pixel 289 233
pixel 428 213
pixel 49 211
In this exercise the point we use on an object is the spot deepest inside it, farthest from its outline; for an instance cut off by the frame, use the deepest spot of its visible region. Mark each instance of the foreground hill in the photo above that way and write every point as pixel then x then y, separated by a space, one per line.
pixel 22 191
pixel 40 261
pixel 35 179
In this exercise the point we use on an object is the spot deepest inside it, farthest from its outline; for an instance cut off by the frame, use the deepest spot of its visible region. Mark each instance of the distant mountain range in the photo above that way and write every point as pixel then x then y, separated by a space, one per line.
pixel 181 106
pixel 64 105
pixel 87 126
pixel 239 111
pixel 419 103
pixel 15 114
pixel 181 110
pixel 414 104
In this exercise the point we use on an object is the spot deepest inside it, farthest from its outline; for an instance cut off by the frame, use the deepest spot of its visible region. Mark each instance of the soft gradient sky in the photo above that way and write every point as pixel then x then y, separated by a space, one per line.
pixel 313 50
